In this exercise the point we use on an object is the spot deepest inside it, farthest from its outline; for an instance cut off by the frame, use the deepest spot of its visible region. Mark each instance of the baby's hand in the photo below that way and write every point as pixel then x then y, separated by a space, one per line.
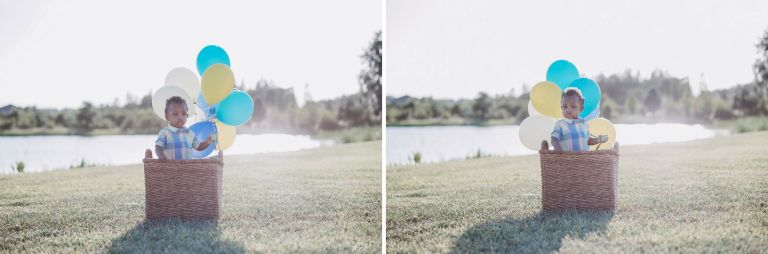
pixel 602 138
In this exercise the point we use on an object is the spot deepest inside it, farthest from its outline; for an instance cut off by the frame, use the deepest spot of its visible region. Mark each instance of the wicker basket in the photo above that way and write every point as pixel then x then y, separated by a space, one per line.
pixel 579 180
pixel 187 189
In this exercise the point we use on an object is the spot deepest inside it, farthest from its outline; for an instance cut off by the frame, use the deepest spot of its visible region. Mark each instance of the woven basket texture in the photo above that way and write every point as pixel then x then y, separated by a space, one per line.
pixel 186 189
pixel 579 180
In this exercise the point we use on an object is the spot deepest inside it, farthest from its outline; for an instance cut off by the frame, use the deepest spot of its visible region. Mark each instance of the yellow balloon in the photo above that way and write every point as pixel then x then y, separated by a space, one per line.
pixel 601 126
pixel 226 136
pixel 545 97
pixel 218 81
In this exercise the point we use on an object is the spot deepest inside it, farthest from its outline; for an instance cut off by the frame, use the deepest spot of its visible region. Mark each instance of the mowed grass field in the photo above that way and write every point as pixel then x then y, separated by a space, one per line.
pixel 692 197
pixel 320 200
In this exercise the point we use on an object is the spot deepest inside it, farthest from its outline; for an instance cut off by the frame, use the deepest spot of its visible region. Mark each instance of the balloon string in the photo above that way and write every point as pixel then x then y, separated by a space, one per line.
pixel 598 145
pixel 216 132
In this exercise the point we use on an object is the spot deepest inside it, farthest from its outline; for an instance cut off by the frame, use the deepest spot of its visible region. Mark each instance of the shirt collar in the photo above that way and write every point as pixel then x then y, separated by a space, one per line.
pixel 173 129
pixel 571 121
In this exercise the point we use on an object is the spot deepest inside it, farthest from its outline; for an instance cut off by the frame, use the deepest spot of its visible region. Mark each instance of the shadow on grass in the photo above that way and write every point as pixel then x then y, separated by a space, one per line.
pixel 174 236
pixel 541 233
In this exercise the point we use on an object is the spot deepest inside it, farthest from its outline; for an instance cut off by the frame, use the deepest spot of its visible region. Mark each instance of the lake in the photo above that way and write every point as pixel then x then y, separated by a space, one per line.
pixel 42 153
pixel 442 143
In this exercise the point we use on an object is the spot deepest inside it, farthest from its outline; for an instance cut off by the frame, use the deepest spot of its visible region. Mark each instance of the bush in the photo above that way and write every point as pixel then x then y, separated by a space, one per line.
pixel 329 123
pixel 416 157
pixel 19 167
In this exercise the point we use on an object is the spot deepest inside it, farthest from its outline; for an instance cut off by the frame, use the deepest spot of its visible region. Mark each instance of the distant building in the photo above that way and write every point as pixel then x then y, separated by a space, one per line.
pixel 7 110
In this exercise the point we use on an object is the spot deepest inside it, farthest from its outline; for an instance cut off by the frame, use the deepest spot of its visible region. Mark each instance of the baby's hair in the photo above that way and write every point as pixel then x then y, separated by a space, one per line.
pixel 172 100
pixel 572 91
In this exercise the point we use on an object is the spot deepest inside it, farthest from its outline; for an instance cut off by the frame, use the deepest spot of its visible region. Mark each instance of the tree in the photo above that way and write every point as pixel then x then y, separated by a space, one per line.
pixel 652 101
pixel 370 77
pixel 85 116
pixel 481 106
pixel 259 111
pixel 761 65
pixel 761 75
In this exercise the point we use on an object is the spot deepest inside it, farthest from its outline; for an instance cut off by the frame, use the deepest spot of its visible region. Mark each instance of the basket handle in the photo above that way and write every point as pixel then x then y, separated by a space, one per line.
pixel 544 145
pixel 148 154
pixel 616 147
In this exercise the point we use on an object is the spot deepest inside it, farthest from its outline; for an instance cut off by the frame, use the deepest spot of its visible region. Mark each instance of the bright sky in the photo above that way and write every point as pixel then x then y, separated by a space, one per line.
pixel 61 53
pixel 455 49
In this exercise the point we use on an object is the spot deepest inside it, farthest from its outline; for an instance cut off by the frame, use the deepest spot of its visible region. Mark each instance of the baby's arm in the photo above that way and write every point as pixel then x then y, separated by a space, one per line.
pixel 159 152
pixel 597 140
pixel 204 145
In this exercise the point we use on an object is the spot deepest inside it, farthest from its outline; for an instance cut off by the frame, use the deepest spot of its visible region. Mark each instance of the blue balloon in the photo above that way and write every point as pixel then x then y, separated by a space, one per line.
pixel 211 55
pixel 591 92
pixel 562 73
pixel 595 114
pixel 209 110
pixel 235 109
pixel 202 130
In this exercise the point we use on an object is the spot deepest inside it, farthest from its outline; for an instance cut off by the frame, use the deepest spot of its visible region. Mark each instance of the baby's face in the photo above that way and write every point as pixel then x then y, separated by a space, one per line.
pixel 176 114
pixel 571 107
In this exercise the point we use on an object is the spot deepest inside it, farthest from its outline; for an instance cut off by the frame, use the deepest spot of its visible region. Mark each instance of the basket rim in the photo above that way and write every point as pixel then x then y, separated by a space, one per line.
pixel 545 150
pixel 219 159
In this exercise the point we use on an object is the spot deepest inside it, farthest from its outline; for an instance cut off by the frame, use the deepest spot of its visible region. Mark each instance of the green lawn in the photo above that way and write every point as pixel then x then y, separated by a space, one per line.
pixel 699 196
pixel 320 200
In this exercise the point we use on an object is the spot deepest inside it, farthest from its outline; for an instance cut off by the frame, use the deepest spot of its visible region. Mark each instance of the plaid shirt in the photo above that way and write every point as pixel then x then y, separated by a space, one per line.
pixel 177 143
pixel 573 134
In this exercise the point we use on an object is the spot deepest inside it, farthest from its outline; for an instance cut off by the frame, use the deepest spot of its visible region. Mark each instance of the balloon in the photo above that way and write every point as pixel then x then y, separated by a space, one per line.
pixel 532 111
pixel 562 73
pixel 591 92
pixel 218 81
pixel 209 56
pixel 236 109
pixel 595 113
pixel 601 126
pixel 161 96
pixel 202 130
pixel 545 97
pixel 184 78
pixel 534 129
pixel 207 110
pixel 226 136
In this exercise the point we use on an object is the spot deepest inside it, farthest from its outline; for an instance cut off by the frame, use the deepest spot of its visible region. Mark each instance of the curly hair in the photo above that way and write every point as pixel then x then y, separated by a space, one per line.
pixel 572 91
pixel 174 100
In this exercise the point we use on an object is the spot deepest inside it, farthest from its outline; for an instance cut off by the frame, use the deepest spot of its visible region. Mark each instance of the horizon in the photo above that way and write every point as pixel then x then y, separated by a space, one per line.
pixel 517 93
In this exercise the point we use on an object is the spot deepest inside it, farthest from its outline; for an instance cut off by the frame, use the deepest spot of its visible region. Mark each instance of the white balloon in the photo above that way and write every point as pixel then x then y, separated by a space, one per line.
pixel 534 129
pixel 195 117
pixel 184 78
pixel 532 111
pixel 162 95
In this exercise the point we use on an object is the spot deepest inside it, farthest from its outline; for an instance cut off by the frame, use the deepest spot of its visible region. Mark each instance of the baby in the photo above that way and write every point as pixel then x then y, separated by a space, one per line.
pixel 176 142
pixel 572 133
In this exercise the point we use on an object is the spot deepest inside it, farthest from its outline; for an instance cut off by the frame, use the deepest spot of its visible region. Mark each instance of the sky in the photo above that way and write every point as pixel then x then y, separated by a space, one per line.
pixel 56 54
pixel 455 49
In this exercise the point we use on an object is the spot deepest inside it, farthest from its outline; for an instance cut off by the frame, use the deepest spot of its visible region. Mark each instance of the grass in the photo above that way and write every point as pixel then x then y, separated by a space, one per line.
pixel 743 124
pixel 351 135
pixel 319 200
pixel 692 197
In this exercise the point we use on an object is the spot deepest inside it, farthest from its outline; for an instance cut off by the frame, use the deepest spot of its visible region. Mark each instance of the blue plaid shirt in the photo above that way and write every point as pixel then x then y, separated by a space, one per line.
pixel 573 134
pixel 177 143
